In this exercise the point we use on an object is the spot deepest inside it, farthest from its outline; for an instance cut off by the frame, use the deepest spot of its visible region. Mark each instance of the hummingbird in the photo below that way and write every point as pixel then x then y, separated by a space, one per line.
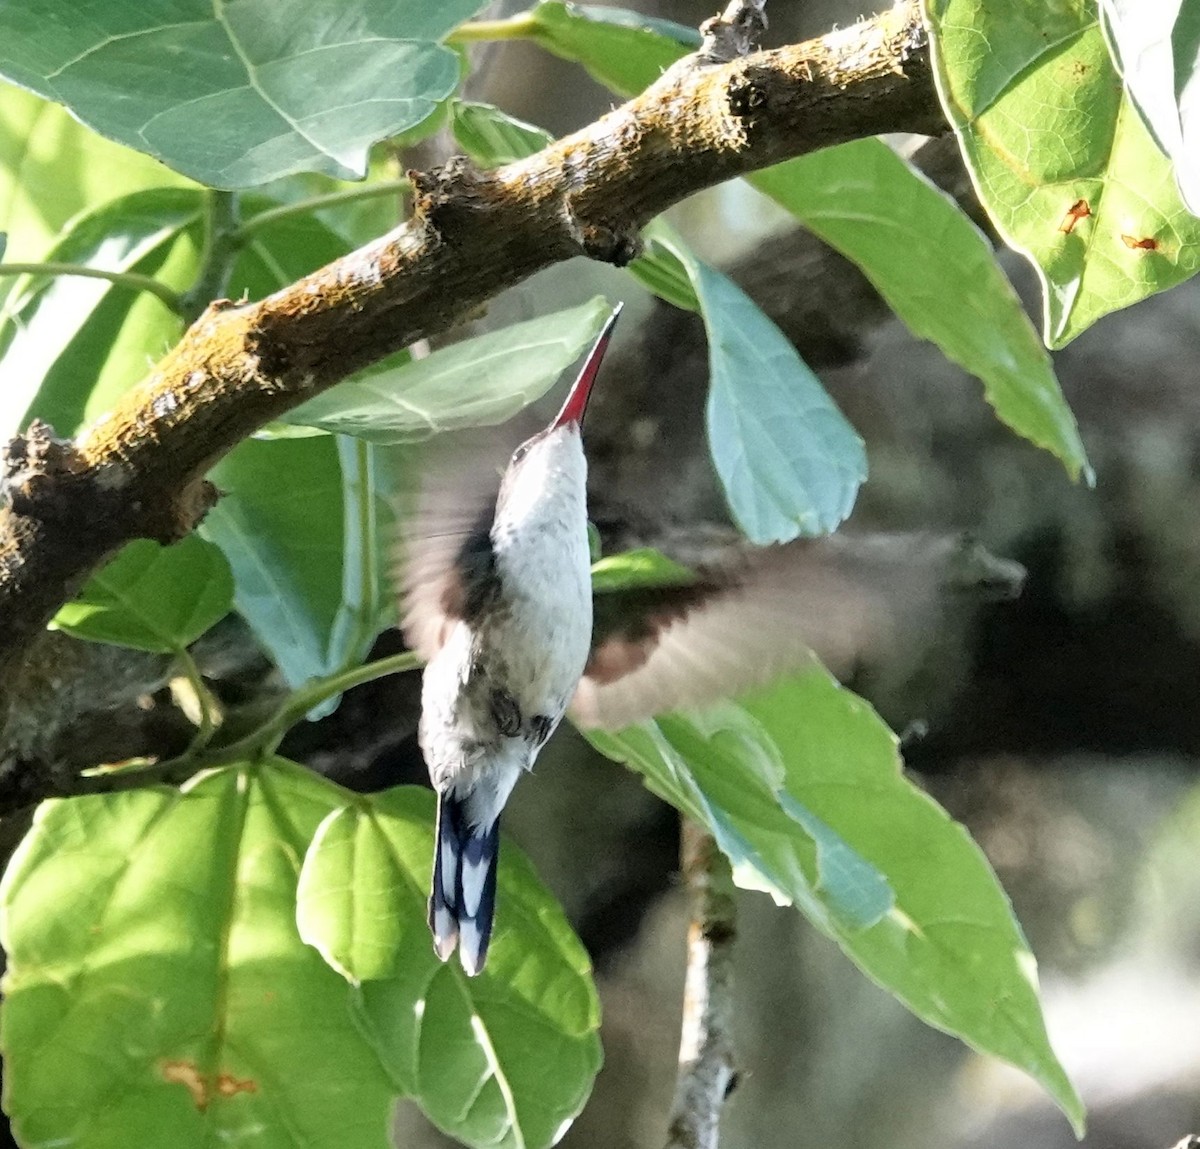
pixel 506 627
pixel 497 598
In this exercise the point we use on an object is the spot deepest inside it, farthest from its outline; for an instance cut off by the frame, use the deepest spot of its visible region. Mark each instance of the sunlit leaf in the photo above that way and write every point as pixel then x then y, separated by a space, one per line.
pixel 1062 161
pixel 937 271
pixel 644 567
pixel 308 84
pixel 157 992
pixel 52 168
pixel 152 597
pixel 71 344
pixel 503 1059
pixel 802 788
pixel 476 383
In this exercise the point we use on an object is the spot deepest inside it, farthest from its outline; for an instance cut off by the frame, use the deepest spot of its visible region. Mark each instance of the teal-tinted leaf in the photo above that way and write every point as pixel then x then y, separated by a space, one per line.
pixel 157 992
pixel 71 344
pixel 152 597
pixel 624 50
pixel 644 567
pixel 789 462
pixel 503 1059
pixel 802 788
pixel 238 94
pixel 937 272
pixel 492 137
pixel 290 523
pixel 476 383
pixel 1156 45
pixel 1061 160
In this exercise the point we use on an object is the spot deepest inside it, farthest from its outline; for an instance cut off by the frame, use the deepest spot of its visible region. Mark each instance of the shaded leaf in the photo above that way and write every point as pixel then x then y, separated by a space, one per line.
pixel 65 338
pixel 802 788
pixel 157 992
pixel 939 274
pixel 309 84
pixel 476 383
pixel 503 1059
pixel 789 462
pixel 152 597
pixel 492 137
pixel 660 271
pixel 290 522
pixel 623 50
pixel 1059 156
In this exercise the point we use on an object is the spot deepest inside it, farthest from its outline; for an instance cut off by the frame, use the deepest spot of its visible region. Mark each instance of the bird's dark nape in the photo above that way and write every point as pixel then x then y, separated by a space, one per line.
pixel 462 903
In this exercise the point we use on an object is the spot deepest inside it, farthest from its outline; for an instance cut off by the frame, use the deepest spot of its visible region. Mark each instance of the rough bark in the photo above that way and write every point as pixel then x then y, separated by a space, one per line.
pixel 139 470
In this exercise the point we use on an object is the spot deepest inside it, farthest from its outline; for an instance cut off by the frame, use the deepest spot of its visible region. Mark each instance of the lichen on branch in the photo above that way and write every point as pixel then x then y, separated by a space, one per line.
pixel 139 470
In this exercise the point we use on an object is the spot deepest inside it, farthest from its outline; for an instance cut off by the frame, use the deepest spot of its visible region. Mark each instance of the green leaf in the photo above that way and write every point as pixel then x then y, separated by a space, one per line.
pixel 503 1059
pixel 52 168
pixel 492 137
pixel 308 85
pixel 789 462
pixel 623 50
pixel 152 597
pixel 278 253
pixel 157 992
pixel 1049 134
pixel 1155 44
pixel 70 345
pixel 937 272
pixel 818 812
pixel 643 567
pixel 299 522
pixel 660 271
pixel 476 383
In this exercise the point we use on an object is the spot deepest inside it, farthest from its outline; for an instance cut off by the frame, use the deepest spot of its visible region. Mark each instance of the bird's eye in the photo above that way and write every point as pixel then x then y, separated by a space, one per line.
pixel 520 452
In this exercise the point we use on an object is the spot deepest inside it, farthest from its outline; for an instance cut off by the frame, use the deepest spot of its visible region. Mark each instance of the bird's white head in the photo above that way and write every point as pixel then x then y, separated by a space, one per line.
pixel 547 475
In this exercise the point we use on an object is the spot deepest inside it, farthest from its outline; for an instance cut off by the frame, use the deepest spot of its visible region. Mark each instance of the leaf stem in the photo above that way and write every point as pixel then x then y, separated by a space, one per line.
pixel 518 27
pixel 129 279
pixel 221 245
pixel 317 202
pixel 204 699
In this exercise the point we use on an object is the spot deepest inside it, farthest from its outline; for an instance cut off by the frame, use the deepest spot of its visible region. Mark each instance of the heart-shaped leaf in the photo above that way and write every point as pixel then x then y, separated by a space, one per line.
pixel 503 1059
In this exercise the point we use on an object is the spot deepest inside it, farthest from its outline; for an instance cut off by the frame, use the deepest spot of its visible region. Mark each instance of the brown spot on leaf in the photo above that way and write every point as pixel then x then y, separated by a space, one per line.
pixel 204 1087
pixel 186 1074
pixel 230 1086
pixel 1077 211
pixel 1147 243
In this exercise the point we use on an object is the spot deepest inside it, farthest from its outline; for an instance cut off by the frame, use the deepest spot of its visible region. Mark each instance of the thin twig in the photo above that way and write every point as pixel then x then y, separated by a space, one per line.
pixel 706 1073
pixel 221 245
pixel 735 32
pixel 317 203
pixel 130 279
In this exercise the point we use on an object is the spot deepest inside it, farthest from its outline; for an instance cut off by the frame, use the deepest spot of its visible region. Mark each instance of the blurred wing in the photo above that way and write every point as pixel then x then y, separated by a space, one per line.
pixel 843 599
pixel 443 551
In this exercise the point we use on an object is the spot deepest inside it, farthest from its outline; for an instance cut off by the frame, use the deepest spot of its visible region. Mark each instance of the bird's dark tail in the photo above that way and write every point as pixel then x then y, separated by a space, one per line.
pixel 462 904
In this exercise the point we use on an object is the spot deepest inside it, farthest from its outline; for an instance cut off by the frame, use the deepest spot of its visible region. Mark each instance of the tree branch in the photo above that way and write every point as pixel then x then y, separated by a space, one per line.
pixel 706 1073
pixel 139 470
